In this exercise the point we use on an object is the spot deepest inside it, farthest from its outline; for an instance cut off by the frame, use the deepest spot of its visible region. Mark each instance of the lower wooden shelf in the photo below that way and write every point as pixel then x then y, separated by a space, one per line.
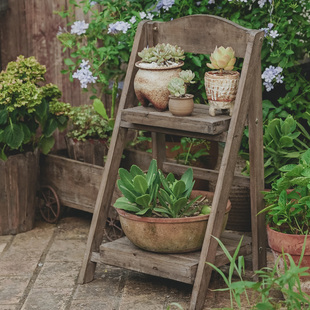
pixel 180 267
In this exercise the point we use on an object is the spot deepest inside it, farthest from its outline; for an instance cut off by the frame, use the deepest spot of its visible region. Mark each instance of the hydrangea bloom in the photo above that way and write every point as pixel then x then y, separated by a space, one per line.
pixel 165 4
pixel 272 75
pixel 84 75
pixel 118 27
pixel 79 27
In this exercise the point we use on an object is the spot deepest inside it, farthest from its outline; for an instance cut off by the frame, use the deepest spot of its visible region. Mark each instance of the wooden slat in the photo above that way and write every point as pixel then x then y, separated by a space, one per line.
pixel 203 174
pixel 216 30
pixel 122 253
pixel 200 120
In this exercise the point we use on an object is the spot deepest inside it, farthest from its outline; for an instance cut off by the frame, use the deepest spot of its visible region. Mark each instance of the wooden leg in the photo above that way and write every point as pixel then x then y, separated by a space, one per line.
pixel 259 257
pixel 104 198
pixel 159 148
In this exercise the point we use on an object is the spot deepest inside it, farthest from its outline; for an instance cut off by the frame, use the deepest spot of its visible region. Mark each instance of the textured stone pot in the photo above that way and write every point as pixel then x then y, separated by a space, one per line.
pixel 151 84
pixel 18 183
pixel 181 106
pixel 221 90
pixel 167 235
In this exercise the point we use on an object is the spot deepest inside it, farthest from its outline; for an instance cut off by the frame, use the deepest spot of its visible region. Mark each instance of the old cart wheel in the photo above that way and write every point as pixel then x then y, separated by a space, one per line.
pixel 50 207
pixel 113 229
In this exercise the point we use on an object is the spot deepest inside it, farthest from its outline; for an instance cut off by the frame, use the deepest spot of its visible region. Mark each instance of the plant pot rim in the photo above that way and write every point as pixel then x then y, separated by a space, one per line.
pixel 197 218
pixel 279 233
pixel 141 64
pixel 224 73
pixel 186 96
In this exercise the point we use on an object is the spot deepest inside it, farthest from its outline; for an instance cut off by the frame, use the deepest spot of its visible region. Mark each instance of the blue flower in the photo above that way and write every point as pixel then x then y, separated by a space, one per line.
pixel 165 4
pixel 79 27
pixel 272 75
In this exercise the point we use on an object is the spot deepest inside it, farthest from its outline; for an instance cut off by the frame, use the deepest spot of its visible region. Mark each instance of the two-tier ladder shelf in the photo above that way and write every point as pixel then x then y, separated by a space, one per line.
pixel 198 34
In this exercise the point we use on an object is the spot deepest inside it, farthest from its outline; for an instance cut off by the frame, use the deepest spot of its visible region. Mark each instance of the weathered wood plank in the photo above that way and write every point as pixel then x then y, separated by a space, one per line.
pixel 122 253
pixel 200 120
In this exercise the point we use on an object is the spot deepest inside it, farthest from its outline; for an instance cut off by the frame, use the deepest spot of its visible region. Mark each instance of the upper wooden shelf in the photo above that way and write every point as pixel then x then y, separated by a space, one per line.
pixel 199 122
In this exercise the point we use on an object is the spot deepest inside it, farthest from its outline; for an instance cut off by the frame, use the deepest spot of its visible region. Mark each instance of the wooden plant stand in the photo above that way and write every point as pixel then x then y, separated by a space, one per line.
pixel 198 34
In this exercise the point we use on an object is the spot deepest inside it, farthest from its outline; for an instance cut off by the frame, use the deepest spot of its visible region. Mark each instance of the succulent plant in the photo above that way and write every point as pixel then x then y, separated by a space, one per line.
pixel 178 85
pixel 222 59
pixel 162 54
pixel 153 194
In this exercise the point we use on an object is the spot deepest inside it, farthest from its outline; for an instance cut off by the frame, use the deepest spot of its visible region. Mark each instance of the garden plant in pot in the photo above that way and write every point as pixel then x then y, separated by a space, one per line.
pixel 180 103
pixel 158 66
pixel 221 86
pixel 160 213
pixel 29 114
pixel 287 210
pixel 89 134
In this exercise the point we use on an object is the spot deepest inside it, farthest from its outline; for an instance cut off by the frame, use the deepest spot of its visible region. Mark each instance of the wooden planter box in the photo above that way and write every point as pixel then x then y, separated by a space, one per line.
pixel 77 183
pixel 18 183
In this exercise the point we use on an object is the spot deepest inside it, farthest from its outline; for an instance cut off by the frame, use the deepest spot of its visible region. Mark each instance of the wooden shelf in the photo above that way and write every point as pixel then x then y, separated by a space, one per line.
pixel 199 122
pixel 180 267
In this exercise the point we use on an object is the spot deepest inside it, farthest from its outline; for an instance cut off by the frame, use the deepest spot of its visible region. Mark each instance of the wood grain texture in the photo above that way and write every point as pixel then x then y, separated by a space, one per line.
pixel 122 253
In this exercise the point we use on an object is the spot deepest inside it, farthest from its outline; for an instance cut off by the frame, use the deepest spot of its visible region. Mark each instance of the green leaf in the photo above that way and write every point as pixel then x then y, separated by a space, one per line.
pixel 123 203
pixel 50 126
pixel 130 195
pixel 27 133
pixel 135 170
pixel 13 136
pixel 68 62
pixel 100 109
pixel 140 184
pixel 3 116
pixel 46 144
pixel 144 200
pixel 178 188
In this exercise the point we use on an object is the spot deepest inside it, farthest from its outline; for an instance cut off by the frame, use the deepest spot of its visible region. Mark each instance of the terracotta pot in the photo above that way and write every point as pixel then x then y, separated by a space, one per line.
pixel 167 235
pixel 18 183
pixel 291 244
pixel 181 106
pixel 151 85
pixel 221 90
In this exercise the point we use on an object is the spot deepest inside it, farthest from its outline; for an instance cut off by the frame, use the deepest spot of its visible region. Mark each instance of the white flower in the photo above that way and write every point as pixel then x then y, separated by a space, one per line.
pixel 118 27
pixel 79 27
pixel 142 15
pixel 133 19
pixel 274 33
pixel 84 75
pixel 211 2
pixel 149 16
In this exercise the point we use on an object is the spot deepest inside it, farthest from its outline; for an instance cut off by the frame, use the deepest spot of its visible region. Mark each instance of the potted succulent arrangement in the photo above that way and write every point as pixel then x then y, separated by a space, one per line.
pixel 180 103
pixel 287 210
pixel 90 130
pixel 157 66
pixel 161 213
pixel 29 114
pixel 221 85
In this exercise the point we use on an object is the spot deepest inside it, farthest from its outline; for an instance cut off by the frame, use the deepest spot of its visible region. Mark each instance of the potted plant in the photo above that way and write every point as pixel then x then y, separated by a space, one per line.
pixel 221 86
pixel 29 114
pixel 180 103
pixel 161 213
pixel 157 66
pixel 89 134
pixel 287 210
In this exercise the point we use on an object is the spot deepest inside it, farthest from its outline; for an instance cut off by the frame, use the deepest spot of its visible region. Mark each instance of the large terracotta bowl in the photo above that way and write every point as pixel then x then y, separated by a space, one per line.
pixel 168 235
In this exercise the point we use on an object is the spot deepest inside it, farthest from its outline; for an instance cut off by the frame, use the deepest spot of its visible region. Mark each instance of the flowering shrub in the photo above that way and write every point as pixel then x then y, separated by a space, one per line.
pixel 107 39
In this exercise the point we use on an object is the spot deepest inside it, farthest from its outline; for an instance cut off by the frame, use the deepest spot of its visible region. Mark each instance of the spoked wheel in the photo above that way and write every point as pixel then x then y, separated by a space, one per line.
pixel 113 229
pixel 50 205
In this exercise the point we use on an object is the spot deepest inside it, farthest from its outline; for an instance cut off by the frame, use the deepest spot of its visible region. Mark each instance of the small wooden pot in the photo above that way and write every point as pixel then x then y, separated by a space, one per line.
pixel 168 235
pixel 221 90
pixel 181 106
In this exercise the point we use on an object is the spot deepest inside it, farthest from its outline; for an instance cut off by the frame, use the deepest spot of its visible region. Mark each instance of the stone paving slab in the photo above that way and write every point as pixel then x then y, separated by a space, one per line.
pixel 39 270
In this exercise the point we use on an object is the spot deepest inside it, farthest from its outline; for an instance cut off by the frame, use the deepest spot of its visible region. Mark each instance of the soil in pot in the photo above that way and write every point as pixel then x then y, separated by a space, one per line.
pixel 167 235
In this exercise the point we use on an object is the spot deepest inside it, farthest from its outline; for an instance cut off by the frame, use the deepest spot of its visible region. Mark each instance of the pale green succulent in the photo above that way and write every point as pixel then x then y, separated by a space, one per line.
pixel 162 54
pixel 178 85
pixel 222 59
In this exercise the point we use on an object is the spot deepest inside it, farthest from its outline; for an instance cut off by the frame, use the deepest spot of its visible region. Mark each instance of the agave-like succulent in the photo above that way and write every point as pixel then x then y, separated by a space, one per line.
pixel 178 85
pixel 222 58
pixel 162 54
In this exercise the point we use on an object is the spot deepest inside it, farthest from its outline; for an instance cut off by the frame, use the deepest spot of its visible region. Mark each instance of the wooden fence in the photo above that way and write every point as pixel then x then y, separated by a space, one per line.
pixel 29 28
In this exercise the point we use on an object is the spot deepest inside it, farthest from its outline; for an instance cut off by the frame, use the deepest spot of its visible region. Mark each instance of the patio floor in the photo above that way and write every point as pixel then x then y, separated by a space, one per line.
pixel 39 270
